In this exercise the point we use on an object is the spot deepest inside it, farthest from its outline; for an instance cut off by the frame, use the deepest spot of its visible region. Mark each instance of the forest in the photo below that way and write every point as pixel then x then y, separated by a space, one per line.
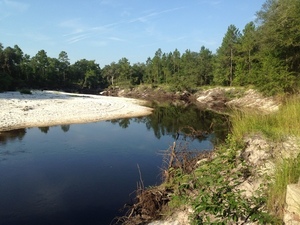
pixel 264 55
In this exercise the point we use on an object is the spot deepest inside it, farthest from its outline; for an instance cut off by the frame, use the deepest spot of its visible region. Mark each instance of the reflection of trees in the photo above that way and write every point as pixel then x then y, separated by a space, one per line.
pixel 12 135
pixel 44 129
pixel 124 123
pixel 65 128
pixel 171 119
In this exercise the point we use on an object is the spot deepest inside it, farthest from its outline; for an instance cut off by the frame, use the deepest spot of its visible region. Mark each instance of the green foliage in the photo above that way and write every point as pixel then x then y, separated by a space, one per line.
pixel 225 61
pixel 87 73
pixel 212 191
pixel 214 182
pixel 275 78
pixel 177 201
pixel 90 79
pixel 219 201
pixel 25 91
pixel 287 172
pixel 5 82
pixel 183 72
pixel 276 126
pixel 246 69
pixel 279 44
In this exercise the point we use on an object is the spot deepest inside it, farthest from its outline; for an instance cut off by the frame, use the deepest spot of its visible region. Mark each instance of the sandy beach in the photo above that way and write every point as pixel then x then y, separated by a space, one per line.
pixel 49 108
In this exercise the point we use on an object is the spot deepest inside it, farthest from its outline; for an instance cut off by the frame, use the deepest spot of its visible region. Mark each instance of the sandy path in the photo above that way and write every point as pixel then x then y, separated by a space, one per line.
pixel 46 108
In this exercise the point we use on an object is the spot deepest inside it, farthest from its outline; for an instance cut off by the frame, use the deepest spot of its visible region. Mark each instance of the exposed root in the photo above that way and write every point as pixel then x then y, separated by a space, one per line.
pixel 148 206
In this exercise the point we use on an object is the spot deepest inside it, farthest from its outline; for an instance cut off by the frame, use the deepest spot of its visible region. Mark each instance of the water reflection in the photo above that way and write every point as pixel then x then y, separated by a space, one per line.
pixel 65 128
pixel 166 119
pixel 12 136
pixel 173 119
pixel 44 129
pixel 85 174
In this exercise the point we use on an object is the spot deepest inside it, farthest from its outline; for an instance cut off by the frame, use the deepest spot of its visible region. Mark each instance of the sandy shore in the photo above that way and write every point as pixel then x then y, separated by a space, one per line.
pixel 48 108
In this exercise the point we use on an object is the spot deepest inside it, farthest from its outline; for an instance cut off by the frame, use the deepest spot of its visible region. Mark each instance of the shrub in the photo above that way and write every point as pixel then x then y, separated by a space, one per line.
pixel 25 91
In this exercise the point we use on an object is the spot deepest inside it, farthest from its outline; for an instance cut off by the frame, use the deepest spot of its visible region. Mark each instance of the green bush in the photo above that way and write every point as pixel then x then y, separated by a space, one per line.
pixel 25 91
pixel 211 190
pixel 5 82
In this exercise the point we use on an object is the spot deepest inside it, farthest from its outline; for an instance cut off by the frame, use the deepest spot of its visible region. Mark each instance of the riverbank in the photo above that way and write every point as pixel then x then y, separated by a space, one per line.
pixel 218 99
pixel 250 179
pixel 49 108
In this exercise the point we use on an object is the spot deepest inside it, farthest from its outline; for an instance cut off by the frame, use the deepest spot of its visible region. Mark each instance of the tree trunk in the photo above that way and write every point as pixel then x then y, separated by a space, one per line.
pixel 231 68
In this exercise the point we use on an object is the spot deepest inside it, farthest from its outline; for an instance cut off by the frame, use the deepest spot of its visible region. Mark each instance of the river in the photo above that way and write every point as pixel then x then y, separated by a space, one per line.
pixel 85 173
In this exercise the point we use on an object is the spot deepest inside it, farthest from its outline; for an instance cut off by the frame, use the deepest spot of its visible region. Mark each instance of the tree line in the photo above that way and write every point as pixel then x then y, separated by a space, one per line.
pixel 265 54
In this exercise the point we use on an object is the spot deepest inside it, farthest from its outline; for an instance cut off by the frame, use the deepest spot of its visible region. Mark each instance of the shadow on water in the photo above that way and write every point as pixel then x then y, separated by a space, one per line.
pixel 84 173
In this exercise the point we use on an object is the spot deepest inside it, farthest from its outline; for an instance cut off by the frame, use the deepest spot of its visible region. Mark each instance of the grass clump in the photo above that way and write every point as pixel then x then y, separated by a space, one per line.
pixel 275 126
pixel 287 172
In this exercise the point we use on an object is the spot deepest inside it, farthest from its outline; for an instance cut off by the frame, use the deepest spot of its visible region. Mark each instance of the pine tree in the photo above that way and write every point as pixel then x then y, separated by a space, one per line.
pixel 225 58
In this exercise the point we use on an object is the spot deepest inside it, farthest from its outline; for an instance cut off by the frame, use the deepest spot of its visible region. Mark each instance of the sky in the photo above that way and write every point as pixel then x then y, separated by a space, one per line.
pixel 108 30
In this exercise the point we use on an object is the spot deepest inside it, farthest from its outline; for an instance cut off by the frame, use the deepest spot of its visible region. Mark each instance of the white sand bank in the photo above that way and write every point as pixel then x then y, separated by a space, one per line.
pixel 47 108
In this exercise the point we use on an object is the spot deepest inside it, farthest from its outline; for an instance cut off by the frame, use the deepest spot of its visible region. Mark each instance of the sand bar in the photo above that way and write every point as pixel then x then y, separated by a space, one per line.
pixel 49 108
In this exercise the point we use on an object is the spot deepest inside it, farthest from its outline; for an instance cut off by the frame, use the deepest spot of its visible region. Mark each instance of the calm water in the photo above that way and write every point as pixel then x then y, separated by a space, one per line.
pixel 83 174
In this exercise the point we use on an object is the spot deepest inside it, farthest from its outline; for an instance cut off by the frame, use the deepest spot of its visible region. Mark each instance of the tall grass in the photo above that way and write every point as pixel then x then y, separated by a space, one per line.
pixel 287 172
pixel 276 126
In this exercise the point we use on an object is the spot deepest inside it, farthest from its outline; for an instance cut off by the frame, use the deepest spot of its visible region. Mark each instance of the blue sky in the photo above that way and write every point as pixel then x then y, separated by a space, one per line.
pixel 107 30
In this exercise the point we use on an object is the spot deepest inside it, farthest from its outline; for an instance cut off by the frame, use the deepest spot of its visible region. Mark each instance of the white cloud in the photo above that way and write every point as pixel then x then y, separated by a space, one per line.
pixel 145 18
pixel 78 38
pixel 77 31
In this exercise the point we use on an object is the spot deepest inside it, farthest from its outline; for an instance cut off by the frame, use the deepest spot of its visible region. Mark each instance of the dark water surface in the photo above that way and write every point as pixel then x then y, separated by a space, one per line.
pixel 85 173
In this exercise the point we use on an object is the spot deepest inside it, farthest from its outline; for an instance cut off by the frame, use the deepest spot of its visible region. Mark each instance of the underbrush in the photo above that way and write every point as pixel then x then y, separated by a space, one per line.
pixel 276 127
pixel 210 183
pixel 212 190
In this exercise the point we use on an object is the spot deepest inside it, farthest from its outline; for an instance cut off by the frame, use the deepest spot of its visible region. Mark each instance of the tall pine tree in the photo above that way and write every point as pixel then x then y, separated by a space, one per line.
pixel 226 57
